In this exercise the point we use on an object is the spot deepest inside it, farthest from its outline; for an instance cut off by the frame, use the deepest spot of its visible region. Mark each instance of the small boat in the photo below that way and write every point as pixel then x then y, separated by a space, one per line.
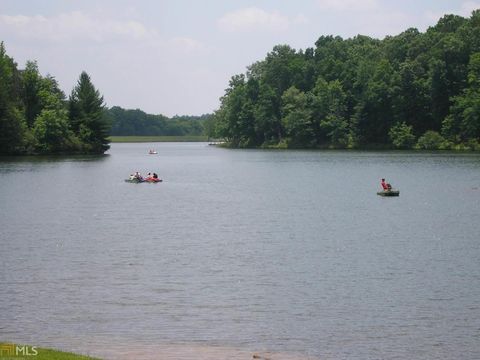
pixel 138 181
pixel 152 152
pixel 134 180
pixel 391 192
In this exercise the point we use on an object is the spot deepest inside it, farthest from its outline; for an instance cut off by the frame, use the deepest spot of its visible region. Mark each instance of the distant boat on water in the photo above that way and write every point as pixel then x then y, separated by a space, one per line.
pixel 391 192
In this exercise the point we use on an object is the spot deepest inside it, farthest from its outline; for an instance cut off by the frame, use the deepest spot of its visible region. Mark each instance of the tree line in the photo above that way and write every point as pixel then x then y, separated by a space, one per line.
pixel 37 118
pixel 137 122
pixel 413 90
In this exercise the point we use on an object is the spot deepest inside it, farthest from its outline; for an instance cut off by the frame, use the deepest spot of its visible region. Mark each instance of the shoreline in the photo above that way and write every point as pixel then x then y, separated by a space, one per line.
pixel 140 351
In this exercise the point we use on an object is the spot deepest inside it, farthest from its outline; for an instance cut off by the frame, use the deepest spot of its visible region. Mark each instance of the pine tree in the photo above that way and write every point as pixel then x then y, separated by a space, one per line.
pixel 87 116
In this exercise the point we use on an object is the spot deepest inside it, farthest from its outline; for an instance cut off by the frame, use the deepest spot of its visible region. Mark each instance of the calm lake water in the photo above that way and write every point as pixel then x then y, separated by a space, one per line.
pixel 242 250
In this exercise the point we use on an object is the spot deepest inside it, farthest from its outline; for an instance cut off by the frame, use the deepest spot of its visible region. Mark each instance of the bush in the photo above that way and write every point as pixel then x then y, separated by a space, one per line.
pixel 432 140
pixel 51 131
pixel 402 136
pixel 473 144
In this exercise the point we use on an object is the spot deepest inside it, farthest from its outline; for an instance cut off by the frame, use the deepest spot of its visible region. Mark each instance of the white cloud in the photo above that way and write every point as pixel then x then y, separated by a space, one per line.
pixel 74 25
pixel 186 44
pixel 254 19
pixel 300 19
pixel 345 5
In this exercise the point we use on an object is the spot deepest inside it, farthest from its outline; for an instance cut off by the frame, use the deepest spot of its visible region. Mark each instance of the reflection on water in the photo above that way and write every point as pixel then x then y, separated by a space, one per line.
pixel 38 163
pixel 283 254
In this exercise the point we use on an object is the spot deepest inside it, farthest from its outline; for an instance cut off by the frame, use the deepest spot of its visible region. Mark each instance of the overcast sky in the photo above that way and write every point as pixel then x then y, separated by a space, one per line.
pixel 176 56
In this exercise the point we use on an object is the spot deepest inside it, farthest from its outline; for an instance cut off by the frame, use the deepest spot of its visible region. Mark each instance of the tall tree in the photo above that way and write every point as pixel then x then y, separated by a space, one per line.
pixel 267 116
pixel 87 115
pixel 465 112
pixel 12 127
pixel 329 112
pixel 51 127
pixel 31 87
pixel 297 118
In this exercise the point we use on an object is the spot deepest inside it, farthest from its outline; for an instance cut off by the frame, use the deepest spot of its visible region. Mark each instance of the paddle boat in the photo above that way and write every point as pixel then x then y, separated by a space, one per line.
pixel 387 189
pixel 138 178
pixel 153 180
pixel 391 192
pixel 152 152
pixel 134 180
pixel 138 181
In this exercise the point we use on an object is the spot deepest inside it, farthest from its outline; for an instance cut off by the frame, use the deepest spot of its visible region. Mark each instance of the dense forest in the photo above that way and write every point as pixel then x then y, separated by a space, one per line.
pixel 413 90
pixel 136 122
pixel 36 117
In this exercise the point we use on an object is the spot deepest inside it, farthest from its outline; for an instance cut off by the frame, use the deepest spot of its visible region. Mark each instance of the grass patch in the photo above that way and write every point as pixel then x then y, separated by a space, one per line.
pixel 41 353
pixel 136 139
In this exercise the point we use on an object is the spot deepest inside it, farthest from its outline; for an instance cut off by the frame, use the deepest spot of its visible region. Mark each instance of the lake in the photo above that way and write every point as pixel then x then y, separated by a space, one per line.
pixel 237 252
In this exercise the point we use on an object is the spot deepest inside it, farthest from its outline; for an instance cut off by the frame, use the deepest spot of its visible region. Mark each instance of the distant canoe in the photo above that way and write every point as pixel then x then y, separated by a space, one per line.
pixel 134 181
pixel 392 192
pixel 138 181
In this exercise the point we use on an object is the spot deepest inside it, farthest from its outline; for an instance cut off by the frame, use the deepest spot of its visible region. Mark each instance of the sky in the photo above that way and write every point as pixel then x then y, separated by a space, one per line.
pixel 175 57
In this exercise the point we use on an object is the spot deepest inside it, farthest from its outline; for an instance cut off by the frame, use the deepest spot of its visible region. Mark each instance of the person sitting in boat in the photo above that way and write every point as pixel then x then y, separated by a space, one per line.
pixel 149 177
pixel 386 186
pixel 155 176
pixel 138 176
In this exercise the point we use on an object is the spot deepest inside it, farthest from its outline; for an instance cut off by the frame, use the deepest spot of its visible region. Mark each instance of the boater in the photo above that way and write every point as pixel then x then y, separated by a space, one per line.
pixel 385 186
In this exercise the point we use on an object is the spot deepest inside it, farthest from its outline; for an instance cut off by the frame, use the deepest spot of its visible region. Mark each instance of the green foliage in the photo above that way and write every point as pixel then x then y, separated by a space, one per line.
pixel 31 83
pixel 12 124
pixel 464 121
pixel 52 132
pixel 236 118
pixel 432 140
pixel 12 130
pixel 268 125
pixel 34 116
pixel 88 117
pixel 360 91
pixel 401 136
pixel 329 109
pixel 138 123
pixel 336 129
pixel 297 118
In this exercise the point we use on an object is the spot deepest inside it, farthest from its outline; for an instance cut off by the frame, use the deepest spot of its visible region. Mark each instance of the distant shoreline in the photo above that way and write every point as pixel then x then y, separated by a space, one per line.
pixel 204 138
pixel 139 139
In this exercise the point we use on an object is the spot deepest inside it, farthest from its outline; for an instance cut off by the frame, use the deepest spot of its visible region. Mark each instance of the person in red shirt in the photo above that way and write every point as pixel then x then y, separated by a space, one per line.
pixel 386 186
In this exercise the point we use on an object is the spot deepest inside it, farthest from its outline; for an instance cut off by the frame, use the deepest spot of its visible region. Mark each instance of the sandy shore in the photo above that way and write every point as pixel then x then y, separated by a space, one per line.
pixel 191 352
